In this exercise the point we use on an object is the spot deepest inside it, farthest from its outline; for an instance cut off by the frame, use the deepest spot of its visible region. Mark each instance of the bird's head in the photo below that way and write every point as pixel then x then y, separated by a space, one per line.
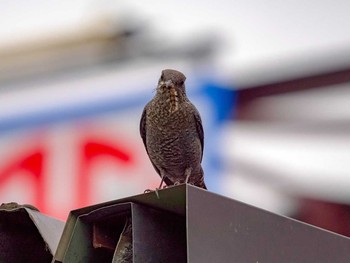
pixel 170 81
pixel 171 88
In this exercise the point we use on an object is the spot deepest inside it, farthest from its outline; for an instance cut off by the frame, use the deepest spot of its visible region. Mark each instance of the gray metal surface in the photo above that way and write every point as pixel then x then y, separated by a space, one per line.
pixel 224 230
pixel 159 236
pixel 218 229
pixel 172 199
pixel 81 246
pixel 49 228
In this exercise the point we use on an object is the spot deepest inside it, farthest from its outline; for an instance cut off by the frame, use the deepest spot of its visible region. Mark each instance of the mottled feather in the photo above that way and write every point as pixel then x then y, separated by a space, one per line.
pixel 172 132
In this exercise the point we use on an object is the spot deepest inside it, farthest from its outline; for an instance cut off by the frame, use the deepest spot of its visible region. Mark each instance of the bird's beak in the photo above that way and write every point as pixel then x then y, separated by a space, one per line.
pixel 168 83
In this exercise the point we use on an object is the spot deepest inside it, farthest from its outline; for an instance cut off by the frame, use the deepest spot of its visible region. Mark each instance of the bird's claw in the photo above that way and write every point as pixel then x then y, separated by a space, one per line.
pixel 149 191
pixel 157 194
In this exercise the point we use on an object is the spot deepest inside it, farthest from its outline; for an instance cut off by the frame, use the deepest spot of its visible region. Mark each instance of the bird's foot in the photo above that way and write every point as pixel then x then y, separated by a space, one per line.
pixel 157 194
pixel 149 191
pixel 188 174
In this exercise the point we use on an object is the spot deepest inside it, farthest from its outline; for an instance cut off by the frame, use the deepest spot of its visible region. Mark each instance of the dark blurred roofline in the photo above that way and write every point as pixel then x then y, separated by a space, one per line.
pixel 323 80
pixel 293 66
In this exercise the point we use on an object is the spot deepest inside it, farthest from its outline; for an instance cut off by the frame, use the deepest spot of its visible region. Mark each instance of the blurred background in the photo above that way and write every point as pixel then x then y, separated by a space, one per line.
pixel 271 80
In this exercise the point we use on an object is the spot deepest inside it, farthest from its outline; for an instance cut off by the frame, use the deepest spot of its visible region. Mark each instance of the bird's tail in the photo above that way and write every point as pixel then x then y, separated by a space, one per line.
pixel 200 183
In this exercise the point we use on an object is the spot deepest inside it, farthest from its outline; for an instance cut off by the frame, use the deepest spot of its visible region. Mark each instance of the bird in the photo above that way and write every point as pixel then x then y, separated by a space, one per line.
pixel 172 132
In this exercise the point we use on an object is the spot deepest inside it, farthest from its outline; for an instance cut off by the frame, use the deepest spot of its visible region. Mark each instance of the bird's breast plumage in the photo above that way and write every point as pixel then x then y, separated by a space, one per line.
pixel 171 136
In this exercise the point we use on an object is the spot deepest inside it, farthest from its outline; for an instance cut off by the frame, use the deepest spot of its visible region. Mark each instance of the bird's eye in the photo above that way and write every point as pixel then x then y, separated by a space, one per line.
pixel 162 77
pixel 181 82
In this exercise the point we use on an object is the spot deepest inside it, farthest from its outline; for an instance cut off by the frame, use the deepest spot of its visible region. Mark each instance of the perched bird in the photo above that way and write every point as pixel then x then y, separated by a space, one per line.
pixel 172 132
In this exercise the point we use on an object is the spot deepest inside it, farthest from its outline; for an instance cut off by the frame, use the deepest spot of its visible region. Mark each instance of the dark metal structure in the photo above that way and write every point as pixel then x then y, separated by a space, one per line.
pixel 26 235
pixel 189 224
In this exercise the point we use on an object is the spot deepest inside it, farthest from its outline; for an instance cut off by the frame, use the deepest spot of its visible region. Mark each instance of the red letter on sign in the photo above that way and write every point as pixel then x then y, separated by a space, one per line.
pixel 92 149
pixel 32 163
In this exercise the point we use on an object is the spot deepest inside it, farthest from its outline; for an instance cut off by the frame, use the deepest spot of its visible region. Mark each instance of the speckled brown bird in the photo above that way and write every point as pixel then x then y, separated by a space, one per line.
pixel 172 132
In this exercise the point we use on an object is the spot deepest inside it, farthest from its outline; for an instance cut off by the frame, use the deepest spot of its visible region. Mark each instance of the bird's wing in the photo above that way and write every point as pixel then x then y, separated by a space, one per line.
pixel 143 127
pixel 143 135
pixel 199 127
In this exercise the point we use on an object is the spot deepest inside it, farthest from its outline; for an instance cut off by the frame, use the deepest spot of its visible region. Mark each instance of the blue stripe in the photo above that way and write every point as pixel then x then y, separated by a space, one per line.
pixel 77 111
pixel 70 113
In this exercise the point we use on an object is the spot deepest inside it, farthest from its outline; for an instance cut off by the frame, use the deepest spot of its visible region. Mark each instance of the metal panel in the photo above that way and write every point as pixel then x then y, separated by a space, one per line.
pixel 108 219
pixel 172 199
pixel 27 235
pixel 224 230
pixel 218 229
pixel 159 236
